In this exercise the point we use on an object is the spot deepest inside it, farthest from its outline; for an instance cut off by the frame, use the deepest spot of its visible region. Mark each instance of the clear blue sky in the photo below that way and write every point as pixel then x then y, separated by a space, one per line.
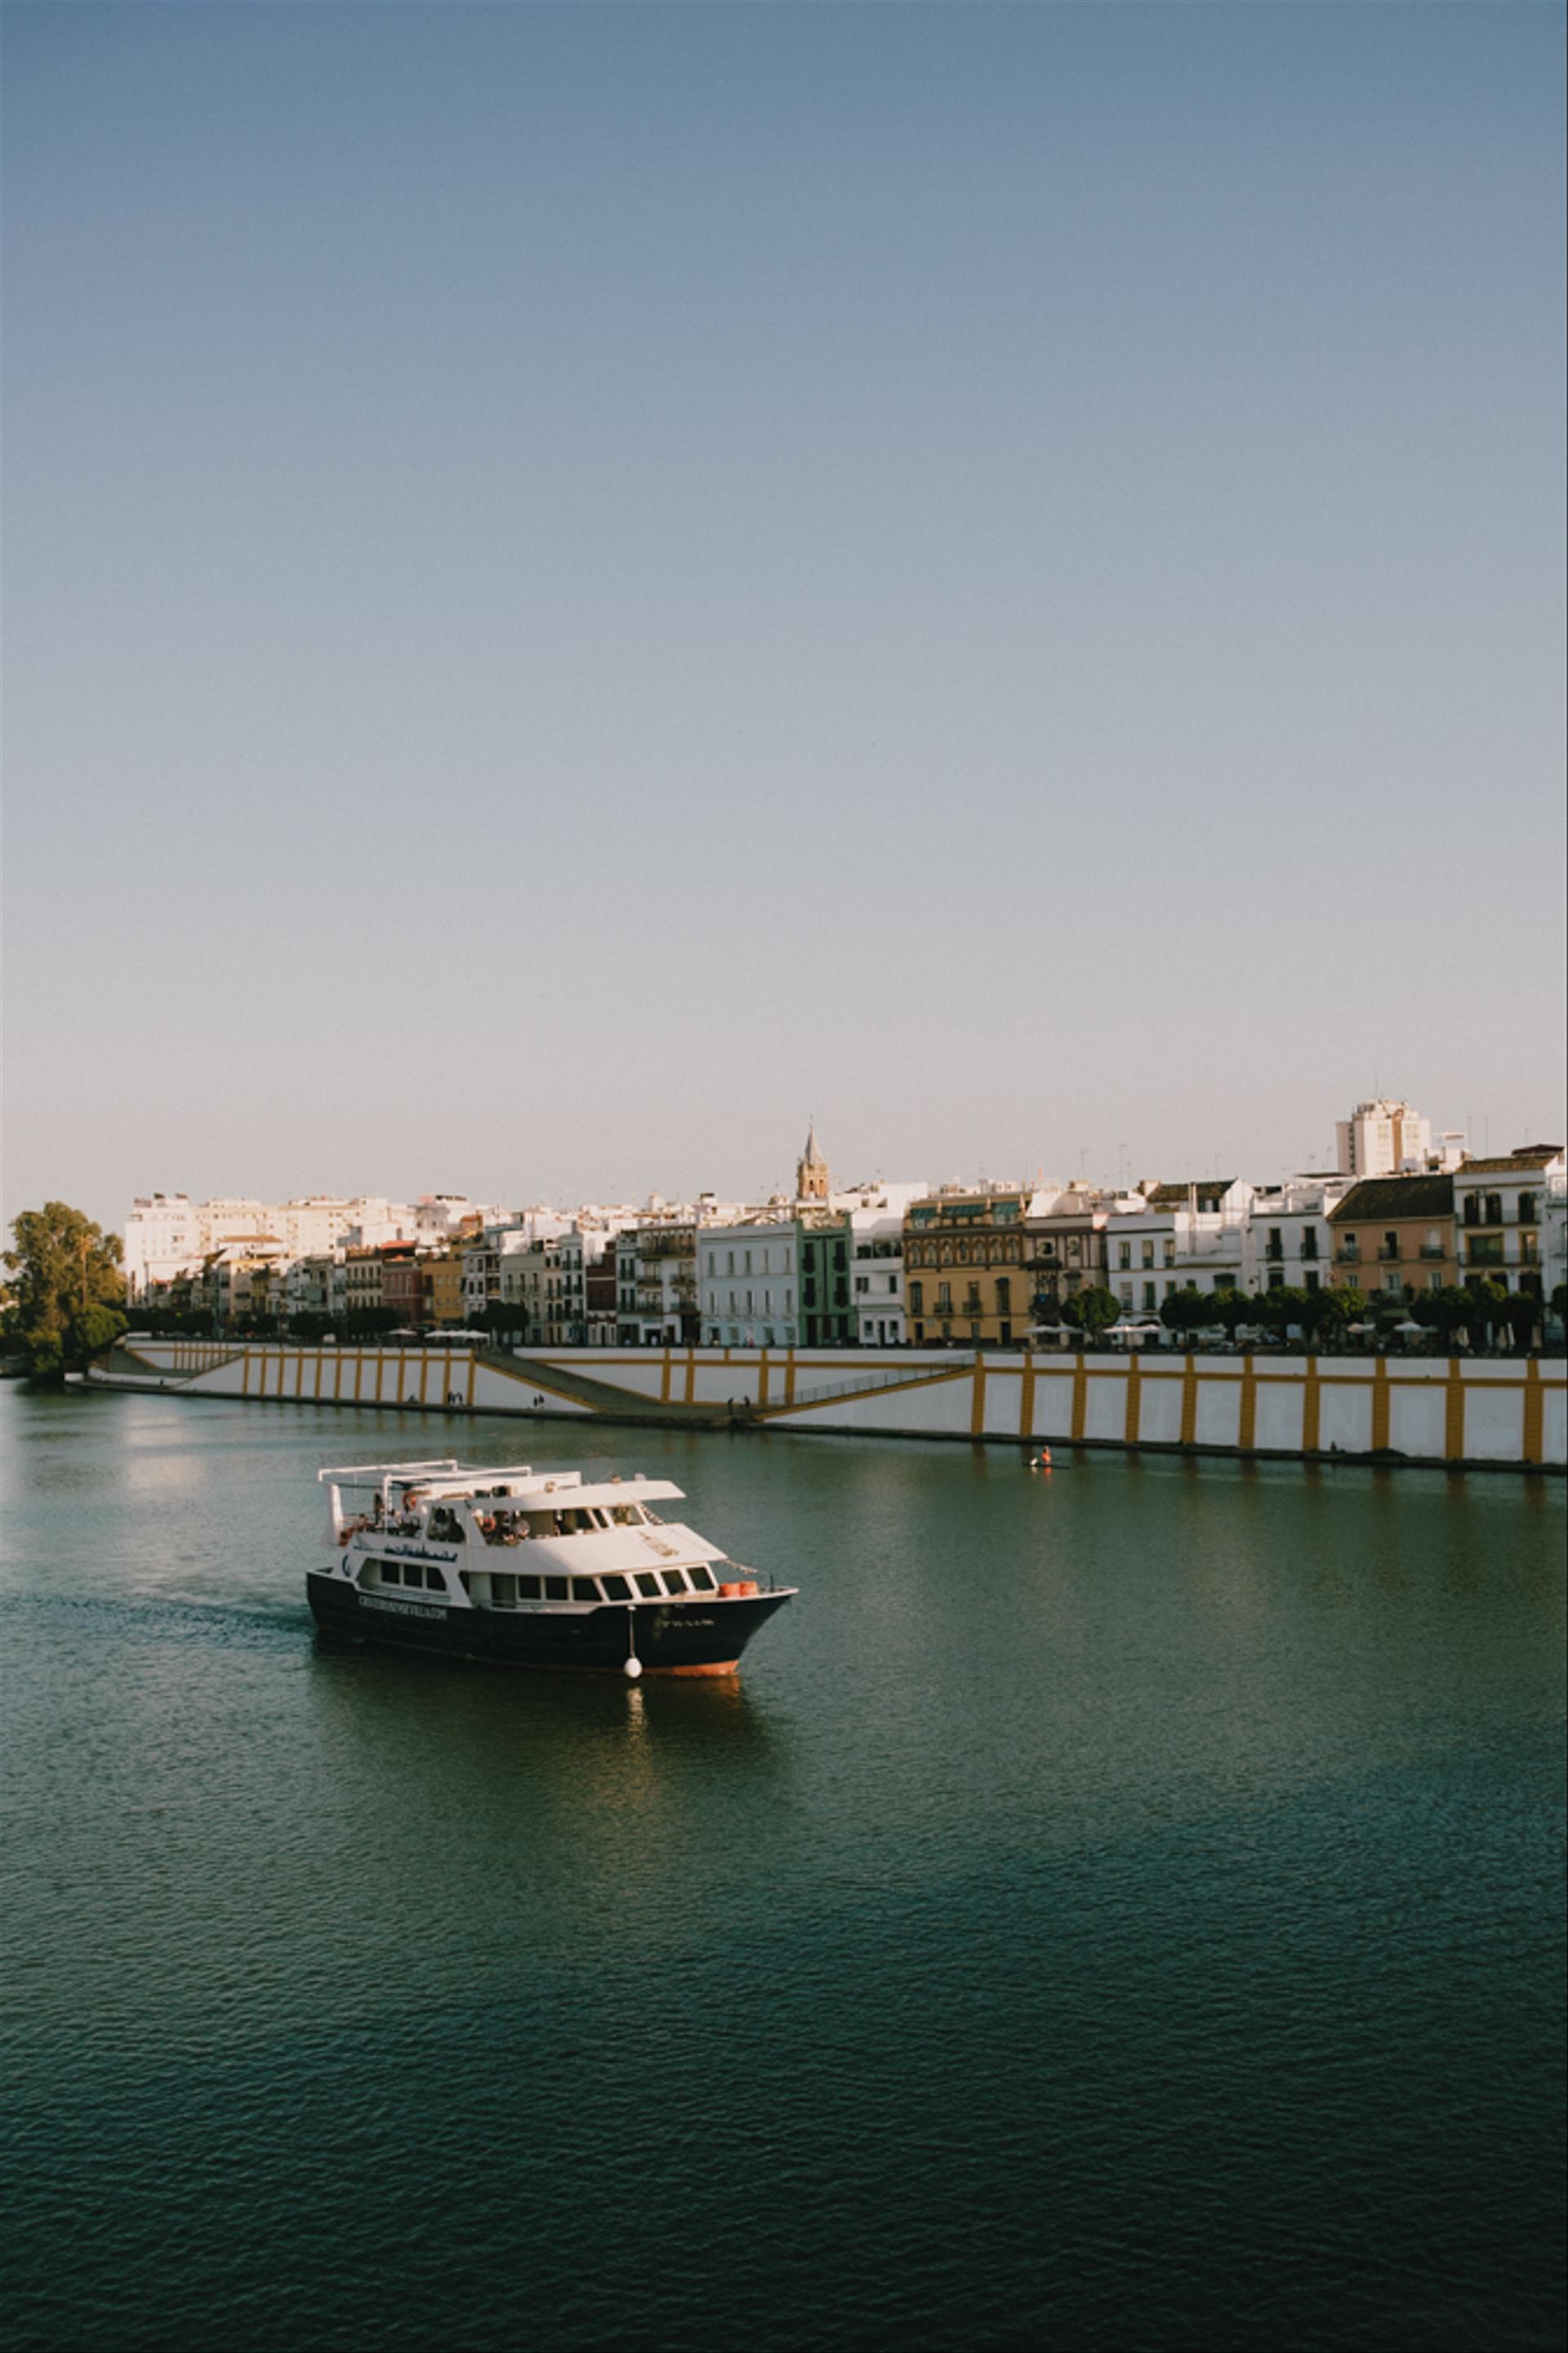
pixel 585 582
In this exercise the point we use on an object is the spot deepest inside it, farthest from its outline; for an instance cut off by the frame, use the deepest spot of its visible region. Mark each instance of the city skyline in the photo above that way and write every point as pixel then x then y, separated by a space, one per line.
pixel 583 584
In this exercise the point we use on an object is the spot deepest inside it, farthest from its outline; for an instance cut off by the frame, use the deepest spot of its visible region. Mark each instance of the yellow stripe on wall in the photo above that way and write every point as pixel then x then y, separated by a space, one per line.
pixel 1312 1408
pixel 1534 1412
pixel 1133 1414
pixel 1080 1401
pixel 1454 1413
pixel 1190 1401
pixel 1380 1403
pixel 1246 1431
pixel 977 1402
pixel 1027 1396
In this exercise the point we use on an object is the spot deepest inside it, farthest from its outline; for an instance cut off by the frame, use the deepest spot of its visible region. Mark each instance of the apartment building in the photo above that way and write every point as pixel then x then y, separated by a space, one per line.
pixel 1395 1235
pixel 1500 1211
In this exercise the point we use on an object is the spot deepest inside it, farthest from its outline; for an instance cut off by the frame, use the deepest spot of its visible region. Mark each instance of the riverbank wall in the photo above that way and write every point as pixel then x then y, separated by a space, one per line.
pixel 1482 1412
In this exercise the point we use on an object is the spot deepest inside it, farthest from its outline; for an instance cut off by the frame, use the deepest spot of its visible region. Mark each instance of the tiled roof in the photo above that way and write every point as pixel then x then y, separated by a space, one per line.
pixel 1394 1196
pixel 1512 1164
pixel 1211 1191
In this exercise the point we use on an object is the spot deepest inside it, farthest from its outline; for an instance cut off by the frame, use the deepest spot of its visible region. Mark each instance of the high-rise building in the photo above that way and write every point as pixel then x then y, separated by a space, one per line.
pixel 1383 1139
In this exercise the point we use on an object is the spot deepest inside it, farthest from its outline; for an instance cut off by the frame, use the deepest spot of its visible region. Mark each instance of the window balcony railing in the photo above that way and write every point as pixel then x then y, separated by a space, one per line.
pixel 1348 1254
pixel 1432 1250
pixel 1388 1254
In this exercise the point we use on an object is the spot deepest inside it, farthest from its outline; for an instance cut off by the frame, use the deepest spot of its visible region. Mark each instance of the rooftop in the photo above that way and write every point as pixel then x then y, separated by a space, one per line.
pixel 1395 1196
pixel 1210 1191
pixel 1529 1157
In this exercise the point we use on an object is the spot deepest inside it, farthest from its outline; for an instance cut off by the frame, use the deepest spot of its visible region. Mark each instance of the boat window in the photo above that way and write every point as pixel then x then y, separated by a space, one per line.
pixel 556 1588
pixel 702 1577
pixel 585 1589
pixel 503 1591
pixel 540 1523
pixel 527 1588
pixel 390 1573
pixel 650 1586
pixel 626 1516
pixel 465 1580
pixel 675 1580
pixel 616 1588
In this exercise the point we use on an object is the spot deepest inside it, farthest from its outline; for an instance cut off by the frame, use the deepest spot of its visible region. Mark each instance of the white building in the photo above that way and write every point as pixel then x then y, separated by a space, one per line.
pixel 161 1241
pixel 1554 1235
pixel 877 1277
pixel 1382 1138
pixel 167 1234
pixel 1288 1243
pixel 1500 1215
pixel 1187 1237
pixel 748 1276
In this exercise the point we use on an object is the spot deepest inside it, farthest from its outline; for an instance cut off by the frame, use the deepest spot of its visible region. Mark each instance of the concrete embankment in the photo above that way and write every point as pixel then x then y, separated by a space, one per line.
pixel 1486 1412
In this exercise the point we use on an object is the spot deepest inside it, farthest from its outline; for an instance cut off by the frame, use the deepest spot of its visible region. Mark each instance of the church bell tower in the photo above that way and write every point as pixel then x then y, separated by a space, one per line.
pixel 811 1183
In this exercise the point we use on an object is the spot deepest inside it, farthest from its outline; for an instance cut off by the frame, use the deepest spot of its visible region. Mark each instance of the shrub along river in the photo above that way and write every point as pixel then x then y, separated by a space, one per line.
pixel 1122 1908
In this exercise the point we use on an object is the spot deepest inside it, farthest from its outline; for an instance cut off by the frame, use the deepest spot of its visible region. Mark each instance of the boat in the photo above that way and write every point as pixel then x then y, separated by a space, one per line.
pixel 532 1569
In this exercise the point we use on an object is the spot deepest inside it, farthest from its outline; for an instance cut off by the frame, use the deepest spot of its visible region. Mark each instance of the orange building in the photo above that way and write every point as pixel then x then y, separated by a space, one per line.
pixel 1396 1235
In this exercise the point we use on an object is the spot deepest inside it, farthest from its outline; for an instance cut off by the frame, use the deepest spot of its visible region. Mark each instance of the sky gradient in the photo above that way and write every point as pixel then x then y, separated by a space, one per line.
pixel 584 583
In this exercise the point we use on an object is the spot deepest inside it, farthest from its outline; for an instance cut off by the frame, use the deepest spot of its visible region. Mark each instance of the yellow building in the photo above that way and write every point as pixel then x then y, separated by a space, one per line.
pixel 965 1279
pixel 443 1288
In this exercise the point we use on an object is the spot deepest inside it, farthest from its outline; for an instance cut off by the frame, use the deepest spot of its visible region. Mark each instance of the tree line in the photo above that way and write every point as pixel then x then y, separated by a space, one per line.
pixel 1478 1313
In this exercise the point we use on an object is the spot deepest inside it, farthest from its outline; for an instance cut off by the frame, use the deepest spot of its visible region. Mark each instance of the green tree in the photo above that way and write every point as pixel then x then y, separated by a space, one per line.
pixel 1090 1311
pixel 1444 1310
pixel 1182 1311
pixel 1228 1309
pixel 66 1292
pixel 1521 1313
pixel 1280 1311
pixel 1487 1303
pixel 1322 1315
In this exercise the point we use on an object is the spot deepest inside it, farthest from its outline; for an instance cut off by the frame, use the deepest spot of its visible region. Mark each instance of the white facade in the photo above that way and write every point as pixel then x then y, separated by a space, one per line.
pixel 1500 1216
pixel 748 1283
pixel 166 1234
pixel 1554 1235
pixel 1288 1242
pixel 1184 1238
pixel 1382 1138
pixel 877 1275
pixel 161 1240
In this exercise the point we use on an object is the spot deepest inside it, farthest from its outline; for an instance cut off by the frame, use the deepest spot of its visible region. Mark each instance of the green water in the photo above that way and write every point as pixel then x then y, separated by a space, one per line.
pixel 1117 1909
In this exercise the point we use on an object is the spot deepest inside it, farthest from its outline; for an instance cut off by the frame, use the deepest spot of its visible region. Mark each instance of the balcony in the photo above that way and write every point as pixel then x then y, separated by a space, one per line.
pixel 1432 1250
pixel 1389 1254
pixel 1348 1254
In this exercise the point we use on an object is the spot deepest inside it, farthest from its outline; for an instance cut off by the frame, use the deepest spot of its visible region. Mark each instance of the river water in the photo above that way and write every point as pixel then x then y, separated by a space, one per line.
pixel 1120 1909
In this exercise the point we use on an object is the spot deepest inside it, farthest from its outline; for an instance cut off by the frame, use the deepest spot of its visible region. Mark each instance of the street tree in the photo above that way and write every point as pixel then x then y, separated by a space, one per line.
pixel 1090 1309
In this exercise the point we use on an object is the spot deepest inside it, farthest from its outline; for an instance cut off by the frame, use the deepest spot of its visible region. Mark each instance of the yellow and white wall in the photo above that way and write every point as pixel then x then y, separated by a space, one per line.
pixel 1430 1410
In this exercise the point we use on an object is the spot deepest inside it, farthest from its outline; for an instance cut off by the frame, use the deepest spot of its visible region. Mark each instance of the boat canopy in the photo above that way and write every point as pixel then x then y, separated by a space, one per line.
pixel 517 1483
